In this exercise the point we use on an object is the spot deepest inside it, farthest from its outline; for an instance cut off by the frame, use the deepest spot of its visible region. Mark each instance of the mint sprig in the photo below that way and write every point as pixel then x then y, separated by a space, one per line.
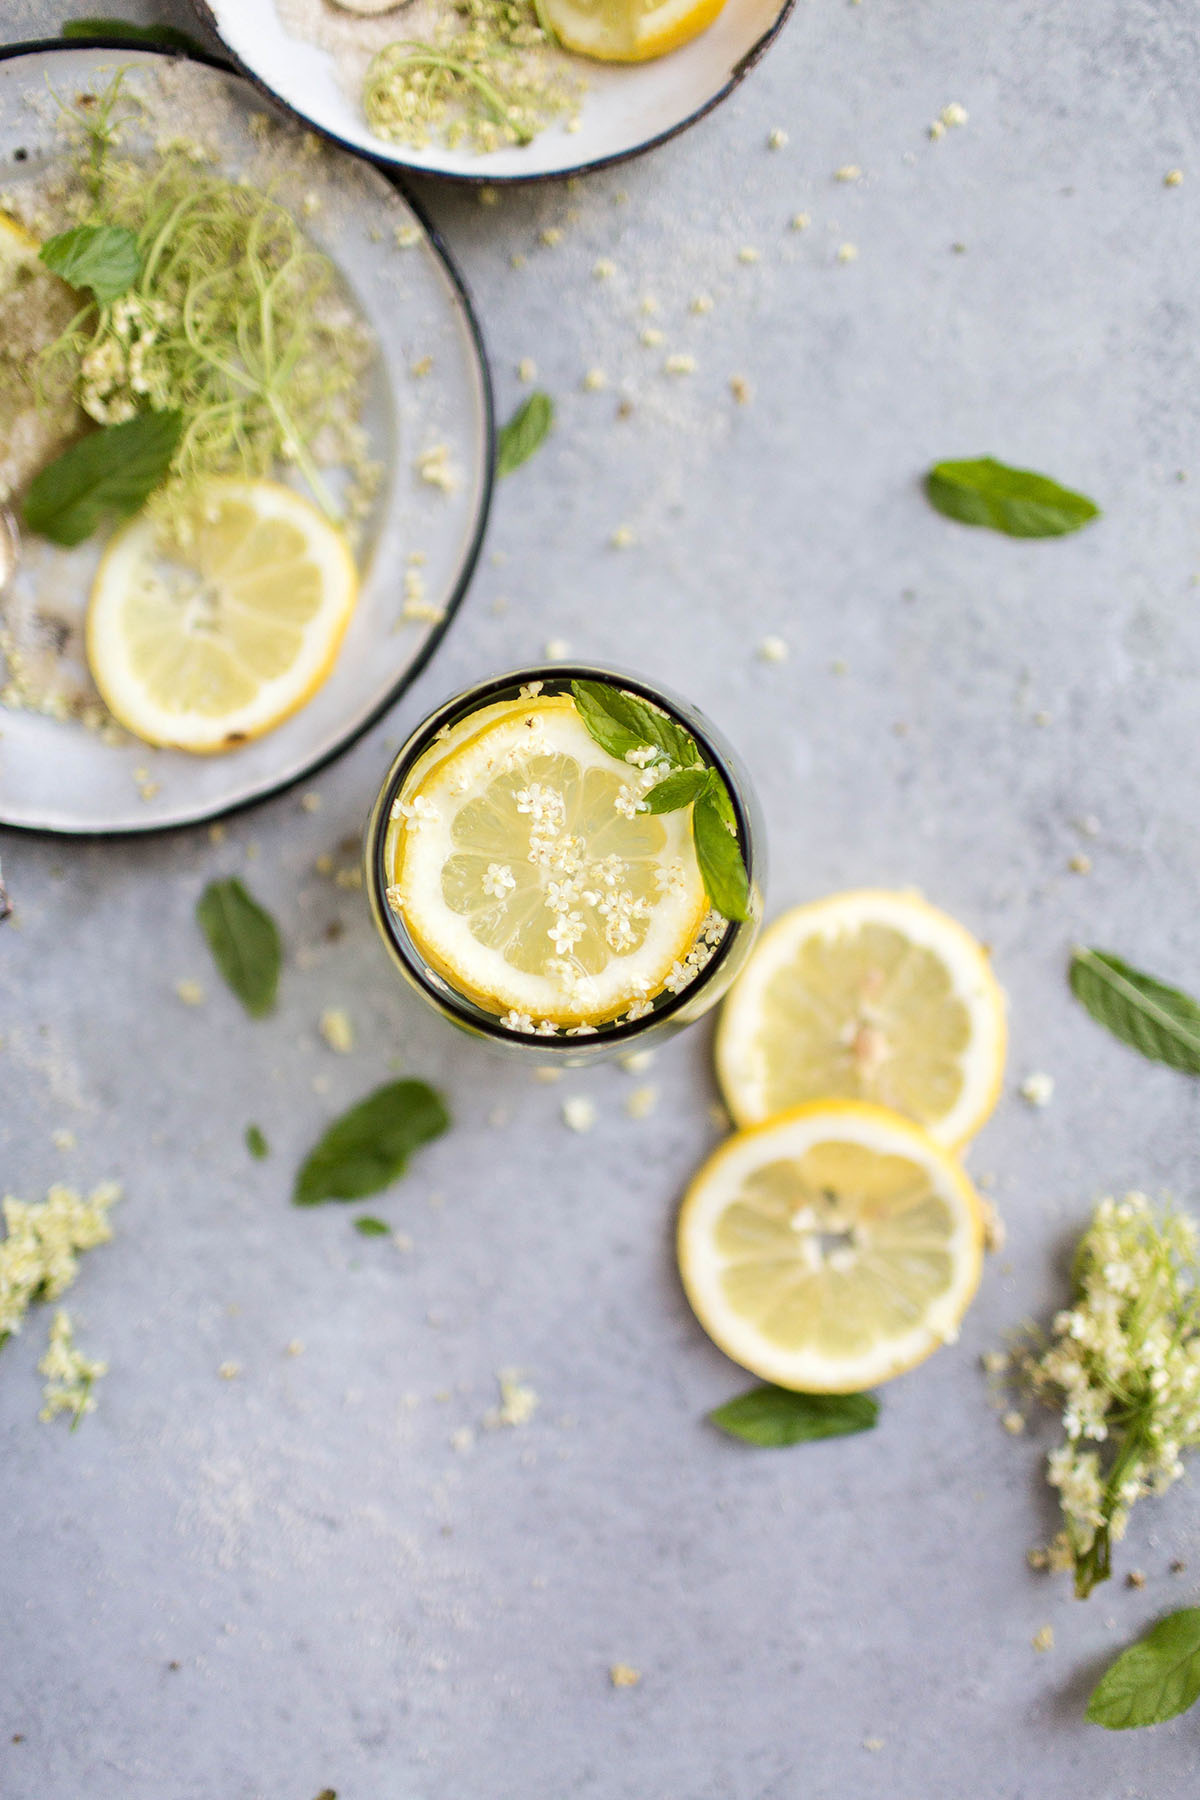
pixel 1155 1679
pixel 104 258
pixel 1017 502
pixel 245 944
pixel 365 1150
pixel 1160 1021
pixel 111 473
pixel 623 724
pixel 775 1416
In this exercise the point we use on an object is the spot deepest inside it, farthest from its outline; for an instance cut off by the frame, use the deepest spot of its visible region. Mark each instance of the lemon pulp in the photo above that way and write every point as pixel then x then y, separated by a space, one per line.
pixel 874 996
pixel 832 1247
pixel 205 646
pixel 526 876
pixel 629 30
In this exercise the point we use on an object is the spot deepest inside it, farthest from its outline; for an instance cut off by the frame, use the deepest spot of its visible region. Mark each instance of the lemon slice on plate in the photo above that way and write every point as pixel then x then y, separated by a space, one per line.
pixel 206 647
pixel 872 996
pixel 628 30
pixel 525 876
pixel 831 1248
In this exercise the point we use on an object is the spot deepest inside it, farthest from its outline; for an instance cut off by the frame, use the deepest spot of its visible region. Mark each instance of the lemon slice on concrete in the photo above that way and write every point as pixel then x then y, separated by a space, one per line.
pixel 628 30
pixel 525 875
pixel 206 647
pixel 831 1248
pixel 871 996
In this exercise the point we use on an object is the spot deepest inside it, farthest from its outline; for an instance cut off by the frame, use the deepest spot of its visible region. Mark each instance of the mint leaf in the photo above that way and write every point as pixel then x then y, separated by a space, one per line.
pixel 1158 1020
pixel 614 717
pixel 1155 1679
pixel 244 940
pixel 525 432
pixel 366 1226
pixel 109 473
pixel 1015 501
pixel 720 858
pixel 104 258
pixel 774 1416
pixel 674 791
pixel 369 1146
pixel 256 1143
pixel 165 37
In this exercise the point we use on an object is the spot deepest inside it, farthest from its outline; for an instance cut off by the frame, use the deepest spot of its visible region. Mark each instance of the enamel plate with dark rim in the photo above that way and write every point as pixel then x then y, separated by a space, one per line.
pixel 625 108
pixel 57 774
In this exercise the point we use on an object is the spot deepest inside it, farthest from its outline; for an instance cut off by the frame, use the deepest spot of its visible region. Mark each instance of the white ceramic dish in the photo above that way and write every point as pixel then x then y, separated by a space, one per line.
pixel 625 110
pixel 55 774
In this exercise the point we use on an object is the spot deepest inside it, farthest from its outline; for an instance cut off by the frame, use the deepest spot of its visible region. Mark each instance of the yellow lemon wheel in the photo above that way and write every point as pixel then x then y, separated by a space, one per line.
pixel 831 1248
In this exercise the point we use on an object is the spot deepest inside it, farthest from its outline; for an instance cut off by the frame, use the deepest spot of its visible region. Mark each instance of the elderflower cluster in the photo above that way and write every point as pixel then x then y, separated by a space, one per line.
pixel 39 1256
pixel 70 1375
pixel 124 364
pixel 1123 1368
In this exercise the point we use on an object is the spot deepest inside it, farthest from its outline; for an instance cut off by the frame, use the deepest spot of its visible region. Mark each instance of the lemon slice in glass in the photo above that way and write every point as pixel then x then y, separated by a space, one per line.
pixel 871 996
pixel 525 875
pixel 206 647
pixel 628 30
pixel 831 1248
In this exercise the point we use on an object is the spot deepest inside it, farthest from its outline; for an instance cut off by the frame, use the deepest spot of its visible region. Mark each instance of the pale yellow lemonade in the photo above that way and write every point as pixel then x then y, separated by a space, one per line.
pixel 521 873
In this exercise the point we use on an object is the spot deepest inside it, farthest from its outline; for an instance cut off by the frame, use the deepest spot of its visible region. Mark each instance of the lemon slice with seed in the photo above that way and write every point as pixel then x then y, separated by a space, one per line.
pixel 203 648
pixel 629 30
pixel 831 1248
pixel 868 995
pixel 527 878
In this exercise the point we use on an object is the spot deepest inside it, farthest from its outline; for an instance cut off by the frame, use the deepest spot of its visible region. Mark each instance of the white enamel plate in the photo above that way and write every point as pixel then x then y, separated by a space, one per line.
pixel 56 773
pixel 625 109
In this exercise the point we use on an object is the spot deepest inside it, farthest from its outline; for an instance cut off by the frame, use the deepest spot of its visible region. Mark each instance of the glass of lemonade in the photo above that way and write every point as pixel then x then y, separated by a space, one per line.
pixel 549 857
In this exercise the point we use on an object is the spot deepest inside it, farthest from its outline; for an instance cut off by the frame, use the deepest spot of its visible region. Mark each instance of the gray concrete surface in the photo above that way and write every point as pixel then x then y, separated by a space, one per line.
pixel 257 1588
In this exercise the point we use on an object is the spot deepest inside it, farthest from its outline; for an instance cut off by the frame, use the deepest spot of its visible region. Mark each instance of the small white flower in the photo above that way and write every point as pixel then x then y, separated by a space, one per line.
pixel 518 1021
pixel 498 880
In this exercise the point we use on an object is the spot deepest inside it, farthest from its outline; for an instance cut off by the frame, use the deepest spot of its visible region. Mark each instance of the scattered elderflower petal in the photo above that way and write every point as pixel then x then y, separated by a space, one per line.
pixel 527 369
pixel 579 1114
pixel 229 1371
pixel 680 363
pixel 801 221
pixel 70 1375
pixel 518 1403
pixel 551 235
pixel 739 387
pixel 748 254
pixel 1043 1639
pixel 1037 1090
pixel 651 336
pixel 622 538
pixel 642 1102
pixel 848 172
pixel 39 1254
pixel 622 1675
pixel 336 1029
pixel 847 253
pixel 594 380
pixel 190 992
pixel 954 114
pixel 555 649
pixel 603 269
pixel 1013 1423
pixel 1173 178
pixel 772 650
pixel 701 303
pixel 777 139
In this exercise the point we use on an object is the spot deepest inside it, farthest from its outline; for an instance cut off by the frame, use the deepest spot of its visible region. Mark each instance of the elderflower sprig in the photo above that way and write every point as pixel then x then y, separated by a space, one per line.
pixel 70 1375
pixel 39 1256
pixel 1123 1368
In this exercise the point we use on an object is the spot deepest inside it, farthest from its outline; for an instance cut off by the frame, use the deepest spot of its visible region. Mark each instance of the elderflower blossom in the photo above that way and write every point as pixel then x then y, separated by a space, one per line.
pixel 39 1255
pixel 70 1375
pixel 1123 1368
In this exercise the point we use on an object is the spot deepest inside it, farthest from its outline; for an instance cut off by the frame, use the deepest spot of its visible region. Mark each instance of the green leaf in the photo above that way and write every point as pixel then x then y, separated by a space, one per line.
pixel 620 722
pixel 368 1147
pixel 104 258
pixel 165 37
pixel 525 432
pixel 244 940
pixel 1156 1019
pixel 256 1143
pixel 366 1226
pixel 775 1416
pixel 111 472
pixel 675 791
pixel 720 858
pixel 1014 501
pixel 1155 1679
